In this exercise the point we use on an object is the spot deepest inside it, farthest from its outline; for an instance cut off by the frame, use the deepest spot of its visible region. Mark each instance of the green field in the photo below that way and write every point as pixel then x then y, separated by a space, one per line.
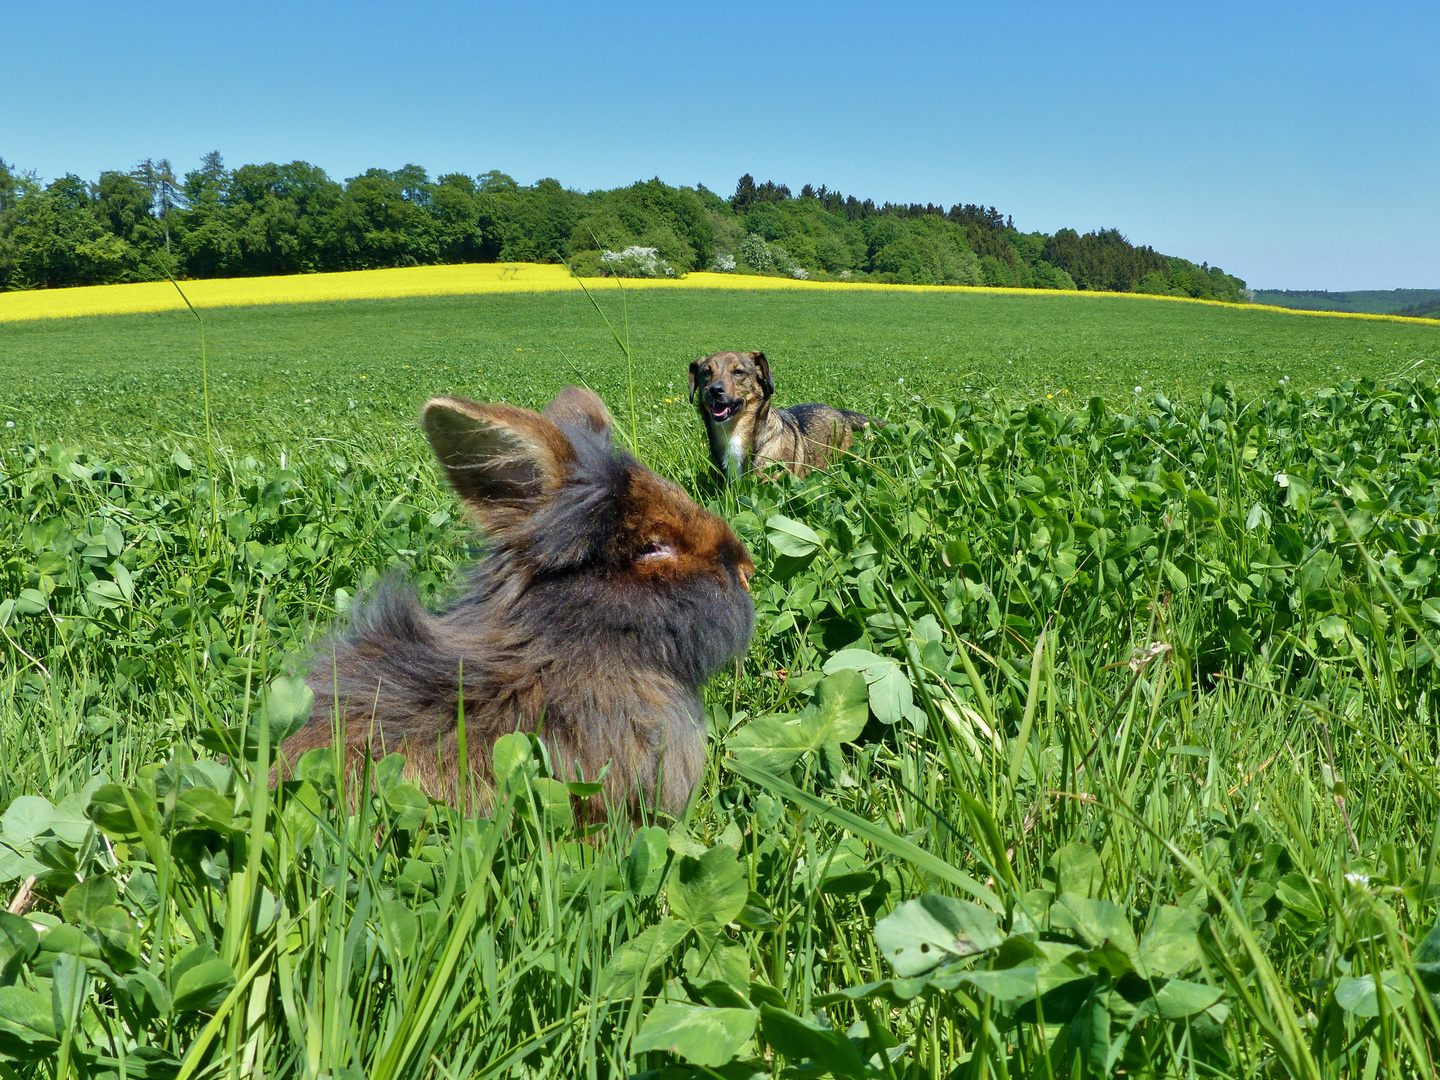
pixel 1084 732
pixel 139 373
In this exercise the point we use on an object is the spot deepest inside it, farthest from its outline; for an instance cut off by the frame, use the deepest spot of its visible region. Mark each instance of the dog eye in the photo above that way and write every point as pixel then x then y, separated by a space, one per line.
pixel 738 371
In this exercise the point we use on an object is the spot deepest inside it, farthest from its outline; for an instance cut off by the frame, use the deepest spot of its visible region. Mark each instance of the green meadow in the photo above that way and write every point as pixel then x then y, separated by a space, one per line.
pixel 1086 730
pixel 139 374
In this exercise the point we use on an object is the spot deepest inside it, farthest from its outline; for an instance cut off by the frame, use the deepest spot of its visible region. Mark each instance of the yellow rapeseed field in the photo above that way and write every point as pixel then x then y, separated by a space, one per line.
pixel 465 280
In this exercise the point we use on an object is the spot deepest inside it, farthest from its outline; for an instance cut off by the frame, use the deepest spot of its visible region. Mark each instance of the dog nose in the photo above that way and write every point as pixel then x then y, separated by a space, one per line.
pixel 716 387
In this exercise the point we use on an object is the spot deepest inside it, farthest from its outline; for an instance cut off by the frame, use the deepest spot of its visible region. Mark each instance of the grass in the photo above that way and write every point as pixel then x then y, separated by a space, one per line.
pixel 1077 735
pixel 289 368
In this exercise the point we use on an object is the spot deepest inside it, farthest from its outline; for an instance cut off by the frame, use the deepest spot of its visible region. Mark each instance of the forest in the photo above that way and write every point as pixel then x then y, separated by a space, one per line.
pixel 215 221
pixel 1414 303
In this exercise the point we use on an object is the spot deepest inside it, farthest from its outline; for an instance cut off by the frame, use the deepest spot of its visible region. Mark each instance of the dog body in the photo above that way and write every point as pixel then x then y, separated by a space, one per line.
pixel 744 429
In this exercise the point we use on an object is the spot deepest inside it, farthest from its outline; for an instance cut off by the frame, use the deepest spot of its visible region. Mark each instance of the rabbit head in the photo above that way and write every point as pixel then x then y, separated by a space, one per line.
pixel 605 600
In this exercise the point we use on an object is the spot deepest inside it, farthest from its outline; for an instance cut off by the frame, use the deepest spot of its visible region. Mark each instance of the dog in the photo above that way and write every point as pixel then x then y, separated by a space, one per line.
pixel 732 391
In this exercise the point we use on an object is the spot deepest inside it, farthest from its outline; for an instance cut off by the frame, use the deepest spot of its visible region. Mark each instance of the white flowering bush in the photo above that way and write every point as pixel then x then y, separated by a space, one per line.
pixel 723 264
pixel 787 265
pixel 635 261
pixel 767 257
pixel 757 253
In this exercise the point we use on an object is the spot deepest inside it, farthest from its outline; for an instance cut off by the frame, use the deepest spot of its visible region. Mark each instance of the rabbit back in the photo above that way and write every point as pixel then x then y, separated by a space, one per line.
pixel 605 601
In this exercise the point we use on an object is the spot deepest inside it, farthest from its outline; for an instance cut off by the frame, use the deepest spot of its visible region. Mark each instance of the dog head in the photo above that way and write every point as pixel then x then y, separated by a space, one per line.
pixel 729 381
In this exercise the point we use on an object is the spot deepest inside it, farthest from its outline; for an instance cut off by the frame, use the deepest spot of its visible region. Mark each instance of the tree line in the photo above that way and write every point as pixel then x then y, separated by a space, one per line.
pixel 136 225
pixel 1418 303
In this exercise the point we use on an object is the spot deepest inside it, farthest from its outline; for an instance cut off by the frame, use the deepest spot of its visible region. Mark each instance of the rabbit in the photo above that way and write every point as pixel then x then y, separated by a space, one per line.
pixel 604 602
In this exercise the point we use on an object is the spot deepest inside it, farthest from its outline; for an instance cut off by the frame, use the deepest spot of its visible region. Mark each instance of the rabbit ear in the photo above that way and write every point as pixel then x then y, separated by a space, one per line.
pixel 496 455
pixel 582 407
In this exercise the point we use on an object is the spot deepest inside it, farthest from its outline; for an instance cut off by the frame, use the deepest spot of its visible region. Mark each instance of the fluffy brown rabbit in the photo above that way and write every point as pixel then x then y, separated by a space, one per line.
pixel 605 600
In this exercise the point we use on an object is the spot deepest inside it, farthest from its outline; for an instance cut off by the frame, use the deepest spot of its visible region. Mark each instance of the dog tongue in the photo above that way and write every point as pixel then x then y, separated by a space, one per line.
pixel 722 412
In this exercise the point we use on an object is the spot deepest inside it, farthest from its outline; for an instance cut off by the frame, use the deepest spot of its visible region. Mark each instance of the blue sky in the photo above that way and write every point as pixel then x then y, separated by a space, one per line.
pixel 1292 144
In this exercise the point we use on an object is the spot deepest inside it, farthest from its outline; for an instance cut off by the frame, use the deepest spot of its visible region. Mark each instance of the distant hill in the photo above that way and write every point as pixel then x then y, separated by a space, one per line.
pixel 1417 302
pixel 287 219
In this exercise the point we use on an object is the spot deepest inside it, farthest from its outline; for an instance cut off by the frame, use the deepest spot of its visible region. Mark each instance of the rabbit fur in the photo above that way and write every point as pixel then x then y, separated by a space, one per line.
pixel 605 600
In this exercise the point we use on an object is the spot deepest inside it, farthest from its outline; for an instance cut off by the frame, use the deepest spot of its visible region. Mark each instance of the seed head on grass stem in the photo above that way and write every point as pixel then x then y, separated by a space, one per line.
pixel 624 345
pixel 205 395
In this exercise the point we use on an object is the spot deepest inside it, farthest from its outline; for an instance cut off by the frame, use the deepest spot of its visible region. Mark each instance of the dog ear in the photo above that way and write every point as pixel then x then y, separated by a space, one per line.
pixel 581 407
pixel 500 460
pixel 694 374
pixel 762 368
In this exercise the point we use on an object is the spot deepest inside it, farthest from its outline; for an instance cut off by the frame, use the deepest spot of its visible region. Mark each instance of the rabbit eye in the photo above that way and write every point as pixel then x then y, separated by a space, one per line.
pixel 655 549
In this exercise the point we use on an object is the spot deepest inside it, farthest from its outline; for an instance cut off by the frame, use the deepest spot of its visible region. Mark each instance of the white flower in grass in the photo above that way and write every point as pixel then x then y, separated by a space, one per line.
pixel 1360 881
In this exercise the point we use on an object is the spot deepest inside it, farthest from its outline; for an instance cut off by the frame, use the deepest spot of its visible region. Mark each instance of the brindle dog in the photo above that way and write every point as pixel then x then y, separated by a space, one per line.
pixel 746 431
